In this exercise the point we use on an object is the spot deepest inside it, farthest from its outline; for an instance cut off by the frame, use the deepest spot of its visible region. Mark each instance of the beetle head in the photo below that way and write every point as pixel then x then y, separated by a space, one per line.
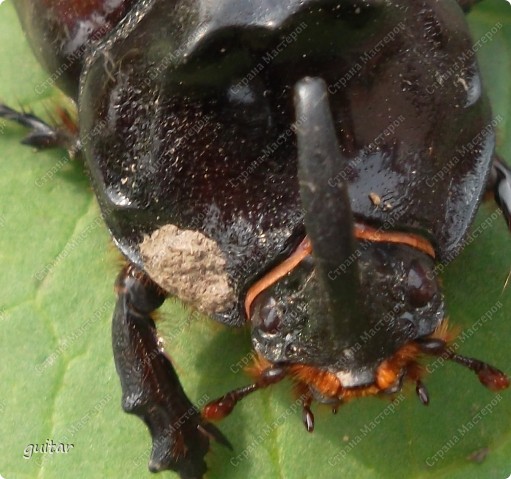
pixel 396 301
pixel 352 303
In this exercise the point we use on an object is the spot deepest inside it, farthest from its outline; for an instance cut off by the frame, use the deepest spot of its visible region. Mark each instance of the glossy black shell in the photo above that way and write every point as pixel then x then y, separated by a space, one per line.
pixel 63 32
pixel 186 117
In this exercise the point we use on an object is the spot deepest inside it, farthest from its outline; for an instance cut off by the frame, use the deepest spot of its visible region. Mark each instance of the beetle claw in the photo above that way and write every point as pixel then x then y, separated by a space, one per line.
pixel 308 418
pixel 422 392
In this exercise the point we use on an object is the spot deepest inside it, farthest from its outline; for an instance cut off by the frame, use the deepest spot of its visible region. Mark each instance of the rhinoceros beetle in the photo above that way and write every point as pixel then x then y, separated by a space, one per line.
pixel 242 158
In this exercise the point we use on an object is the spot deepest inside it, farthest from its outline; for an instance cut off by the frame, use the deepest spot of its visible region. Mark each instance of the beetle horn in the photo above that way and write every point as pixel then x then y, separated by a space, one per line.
pixel 328 216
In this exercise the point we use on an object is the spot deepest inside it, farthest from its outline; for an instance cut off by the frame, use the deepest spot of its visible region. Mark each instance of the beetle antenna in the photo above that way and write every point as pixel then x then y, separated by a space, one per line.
pixel 320 163
pixel 488 375
pixel 223 406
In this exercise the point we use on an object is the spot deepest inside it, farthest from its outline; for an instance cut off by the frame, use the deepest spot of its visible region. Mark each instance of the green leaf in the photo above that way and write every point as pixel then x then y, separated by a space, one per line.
pixel 56 297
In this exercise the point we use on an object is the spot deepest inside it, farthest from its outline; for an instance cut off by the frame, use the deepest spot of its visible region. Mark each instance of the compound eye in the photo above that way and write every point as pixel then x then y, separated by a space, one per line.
pixel 267 314
pixel 421 284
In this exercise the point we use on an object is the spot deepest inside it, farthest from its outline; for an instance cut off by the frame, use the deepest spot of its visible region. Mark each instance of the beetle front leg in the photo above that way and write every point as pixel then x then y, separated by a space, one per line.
pixel 500 185
pixel 150 386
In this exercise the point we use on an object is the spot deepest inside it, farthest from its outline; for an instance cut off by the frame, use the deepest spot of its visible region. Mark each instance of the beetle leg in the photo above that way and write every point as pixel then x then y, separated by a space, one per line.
pixel 488 375
pixel 150 386
pixel 223 406
pixel 43 135
pixel 500 185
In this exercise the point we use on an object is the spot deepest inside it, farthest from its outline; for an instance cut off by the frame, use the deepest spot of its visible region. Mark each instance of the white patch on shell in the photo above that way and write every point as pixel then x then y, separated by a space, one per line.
pixel 190 266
